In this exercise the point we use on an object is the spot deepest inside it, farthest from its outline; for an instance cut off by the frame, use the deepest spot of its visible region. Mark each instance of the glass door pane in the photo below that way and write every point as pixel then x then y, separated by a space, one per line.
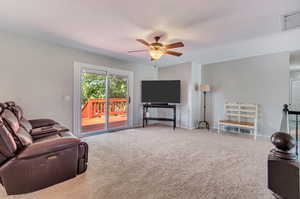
pixel 118 101
pixel 294 130
pixel 93 101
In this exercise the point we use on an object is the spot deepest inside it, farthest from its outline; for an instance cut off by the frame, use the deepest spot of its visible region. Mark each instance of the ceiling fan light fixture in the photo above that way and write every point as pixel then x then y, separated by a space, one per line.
pixel 156 53
pixel 158 49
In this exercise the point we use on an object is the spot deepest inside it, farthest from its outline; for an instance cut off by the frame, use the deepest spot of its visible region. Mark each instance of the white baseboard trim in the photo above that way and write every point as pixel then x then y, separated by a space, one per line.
pixel 138 125
pixel 257 135
pixel 262 136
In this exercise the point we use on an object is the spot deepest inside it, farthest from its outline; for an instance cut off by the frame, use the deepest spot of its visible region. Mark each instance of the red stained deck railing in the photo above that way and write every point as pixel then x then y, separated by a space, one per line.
pixel 97 107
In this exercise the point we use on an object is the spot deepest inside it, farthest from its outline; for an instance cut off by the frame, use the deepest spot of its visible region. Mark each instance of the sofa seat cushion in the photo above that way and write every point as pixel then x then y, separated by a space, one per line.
pixel 47 138
pixel 65 135
pixel 48 145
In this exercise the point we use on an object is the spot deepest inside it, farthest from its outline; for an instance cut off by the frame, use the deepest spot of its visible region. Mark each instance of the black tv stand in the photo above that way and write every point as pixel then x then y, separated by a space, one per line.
pixel 147 106
pixel 161 104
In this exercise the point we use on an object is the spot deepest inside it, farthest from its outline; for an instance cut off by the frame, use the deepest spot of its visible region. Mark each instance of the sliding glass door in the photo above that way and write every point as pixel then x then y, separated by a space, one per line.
pixel 104 101
pixel 118 101
pixel 93 101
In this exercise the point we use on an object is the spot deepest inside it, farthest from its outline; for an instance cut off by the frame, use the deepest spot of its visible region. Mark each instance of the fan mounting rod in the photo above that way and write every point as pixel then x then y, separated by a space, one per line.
pixel 157 38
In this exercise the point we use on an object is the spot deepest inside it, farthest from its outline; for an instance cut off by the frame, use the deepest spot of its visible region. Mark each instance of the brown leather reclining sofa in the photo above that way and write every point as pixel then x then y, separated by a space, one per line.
pixel 35 154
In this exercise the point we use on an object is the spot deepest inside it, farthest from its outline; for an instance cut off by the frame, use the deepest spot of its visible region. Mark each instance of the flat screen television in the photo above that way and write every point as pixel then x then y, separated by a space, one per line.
pixel 161 91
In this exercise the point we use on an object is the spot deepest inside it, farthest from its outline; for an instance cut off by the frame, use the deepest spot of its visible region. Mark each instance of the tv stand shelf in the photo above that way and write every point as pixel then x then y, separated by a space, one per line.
pixel 147 106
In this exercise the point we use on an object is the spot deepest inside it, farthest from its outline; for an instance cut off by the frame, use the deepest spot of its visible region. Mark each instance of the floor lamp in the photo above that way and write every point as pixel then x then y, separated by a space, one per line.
pixel 204 124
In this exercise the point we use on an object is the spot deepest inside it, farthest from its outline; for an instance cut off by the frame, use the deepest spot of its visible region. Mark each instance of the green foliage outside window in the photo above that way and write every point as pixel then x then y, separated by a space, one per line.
pixel 93 86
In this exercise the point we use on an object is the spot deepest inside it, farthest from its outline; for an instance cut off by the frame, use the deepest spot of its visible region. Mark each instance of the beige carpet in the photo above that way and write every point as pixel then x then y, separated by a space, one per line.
pixel 157 162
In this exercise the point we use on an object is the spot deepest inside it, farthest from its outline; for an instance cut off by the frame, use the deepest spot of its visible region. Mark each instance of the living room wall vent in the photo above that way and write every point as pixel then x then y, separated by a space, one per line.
pixel 291 21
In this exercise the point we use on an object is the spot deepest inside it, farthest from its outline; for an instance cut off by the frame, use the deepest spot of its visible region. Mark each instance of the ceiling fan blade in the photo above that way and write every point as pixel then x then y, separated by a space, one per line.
pixel 136 51
pixel 174 45
pixel 173 53
pixel 143 42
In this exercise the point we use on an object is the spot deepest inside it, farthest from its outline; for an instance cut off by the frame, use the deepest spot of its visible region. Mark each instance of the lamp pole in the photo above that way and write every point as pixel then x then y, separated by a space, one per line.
pixel 204 93
pixel 204 123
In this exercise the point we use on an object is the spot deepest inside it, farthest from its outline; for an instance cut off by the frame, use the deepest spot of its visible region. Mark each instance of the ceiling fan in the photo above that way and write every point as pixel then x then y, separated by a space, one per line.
pixel 157 49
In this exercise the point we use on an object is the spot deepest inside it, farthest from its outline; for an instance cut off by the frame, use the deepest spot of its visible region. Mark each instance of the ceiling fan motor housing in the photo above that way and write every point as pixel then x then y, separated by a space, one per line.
pixel 157 38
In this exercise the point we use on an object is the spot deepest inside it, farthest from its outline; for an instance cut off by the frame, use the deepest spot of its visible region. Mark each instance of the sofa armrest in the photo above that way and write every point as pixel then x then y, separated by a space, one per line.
pixel 48 146
pixel 42 130
pixel 37 123
pixel 47 131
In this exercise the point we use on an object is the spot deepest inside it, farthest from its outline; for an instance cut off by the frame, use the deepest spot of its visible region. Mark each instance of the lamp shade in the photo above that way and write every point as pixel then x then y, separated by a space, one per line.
pixel 156 52
pixel 204 87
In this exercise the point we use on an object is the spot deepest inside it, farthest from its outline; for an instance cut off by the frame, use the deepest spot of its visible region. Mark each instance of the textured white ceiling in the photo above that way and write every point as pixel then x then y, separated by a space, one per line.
pixel 111 26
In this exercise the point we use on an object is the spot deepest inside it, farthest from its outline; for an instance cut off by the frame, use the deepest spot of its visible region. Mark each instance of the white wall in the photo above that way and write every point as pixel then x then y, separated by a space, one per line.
pixel 196 94
pixel 295 78
pixel 294 90
pixel 286 41
pixel 39 75
pixel 189 109
pixel 263 80
pixel 142 73
pixel 295 74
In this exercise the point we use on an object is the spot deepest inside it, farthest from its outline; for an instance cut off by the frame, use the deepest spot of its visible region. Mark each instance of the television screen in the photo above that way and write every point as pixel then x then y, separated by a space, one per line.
pixel 161 91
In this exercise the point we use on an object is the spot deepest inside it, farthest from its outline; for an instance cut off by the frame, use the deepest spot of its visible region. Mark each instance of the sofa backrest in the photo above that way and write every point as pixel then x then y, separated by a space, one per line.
pixel 11 120
pixel 8 146
pixel 17 110
pixel 19 133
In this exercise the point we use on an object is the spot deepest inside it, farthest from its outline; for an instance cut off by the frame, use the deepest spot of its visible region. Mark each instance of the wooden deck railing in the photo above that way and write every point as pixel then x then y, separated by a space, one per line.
pixel 97 107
